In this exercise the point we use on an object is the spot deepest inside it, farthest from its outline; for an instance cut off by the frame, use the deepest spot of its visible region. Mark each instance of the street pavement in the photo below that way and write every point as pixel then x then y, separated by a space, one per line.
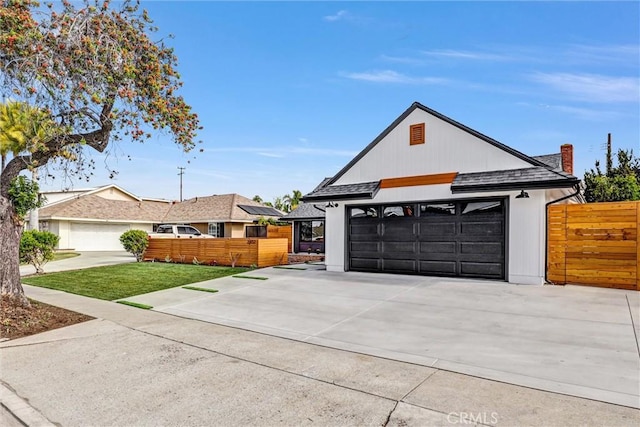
pixel 304 347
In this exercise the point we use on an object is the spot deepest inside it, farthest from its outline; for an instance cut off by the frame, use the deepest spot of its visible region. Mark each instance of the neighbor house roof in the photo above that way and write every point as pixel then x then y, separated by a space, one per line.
pixel 552 160
pixel 220 208
pixel 92 206
pixel 95 207
pixel 305 211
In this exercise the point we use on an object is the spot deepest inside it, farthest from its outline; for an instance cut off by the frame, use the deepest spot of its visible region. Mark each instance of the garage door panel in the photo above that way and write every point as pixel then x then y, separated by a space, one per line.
pixel 437 247
pixel 395 249
pixel 484 248
pixel 365 264
pixel 479 269
pixel 364 227
pixel 399 265
pixel 436 231
pixel 481 229
pixel 398 230
pixel 365 247
pixel 438 267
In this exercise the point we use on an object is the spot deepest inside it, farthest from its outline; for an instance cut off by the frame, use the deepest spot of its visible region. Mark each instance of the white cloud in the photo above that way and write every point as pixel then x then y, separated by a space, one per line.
pixel 303 140
pixel 390 76
pixel 279 152
pixel 340 15
pixel 592 87
pixel 607 54
pixel 470 55
pixel 584 113
pixel 269 154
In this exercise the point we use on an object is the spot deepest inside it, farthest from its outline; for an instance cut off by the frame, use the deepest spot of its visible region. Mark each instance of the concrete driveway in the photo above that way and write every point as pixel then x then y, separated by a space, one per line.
pixel 573 340
pixel 84 260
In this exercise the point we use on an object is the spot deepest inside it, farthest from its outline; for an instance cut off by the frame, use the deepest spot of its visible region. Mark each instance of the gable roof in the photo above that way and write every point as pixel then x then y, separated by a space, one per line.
pixel 417 105
pixel 219 208
pixel 545 171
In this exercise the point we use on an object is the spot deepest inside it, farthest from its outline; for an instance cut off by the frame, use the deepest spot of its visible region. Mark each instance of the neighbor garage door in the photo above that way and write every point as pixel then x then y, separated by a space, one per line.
pixel 458 238
pixel 96 237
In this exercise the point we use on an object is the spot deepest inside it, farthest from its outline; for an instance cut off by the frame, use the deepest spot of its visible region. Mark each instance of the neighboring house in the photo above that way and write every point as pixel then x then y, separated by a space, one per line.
pixel 431 196
pixel 226 215
pixel 94 219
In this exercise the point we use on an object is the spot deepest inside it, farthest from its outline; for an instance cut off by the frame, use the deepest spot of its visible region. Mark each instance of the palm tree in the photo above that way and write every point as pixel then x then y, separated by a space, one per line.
pixel 292 201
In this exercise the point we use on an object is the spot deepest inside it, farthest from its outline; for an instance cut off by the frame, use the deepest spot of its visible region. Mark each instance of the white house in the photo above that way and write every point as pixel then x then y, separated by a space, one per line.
pixel 431 196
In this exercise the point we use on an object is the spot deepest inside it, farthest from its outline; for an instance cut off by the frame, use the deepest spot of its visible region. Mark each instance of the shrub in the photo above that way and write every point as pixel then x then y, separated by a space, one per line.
pixel 36 248
pixel 135 242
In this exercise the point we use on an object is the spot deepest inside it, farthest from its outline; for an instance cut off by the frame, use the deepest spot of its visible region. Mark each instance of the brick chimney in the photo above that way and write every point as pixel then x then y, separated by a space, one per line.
pixel 567 158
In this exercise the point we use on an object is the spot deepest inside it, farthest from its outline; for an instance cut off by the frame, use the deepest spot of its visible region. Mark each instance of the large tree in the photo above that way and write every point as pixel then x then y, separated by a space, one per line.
pixel 97 72
pixel 617 183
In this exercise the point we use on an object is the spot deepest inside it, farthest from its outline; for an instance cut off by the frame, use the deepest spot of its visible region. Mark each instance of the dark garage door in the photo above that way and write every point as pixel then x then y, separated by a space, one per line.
pixel 458 238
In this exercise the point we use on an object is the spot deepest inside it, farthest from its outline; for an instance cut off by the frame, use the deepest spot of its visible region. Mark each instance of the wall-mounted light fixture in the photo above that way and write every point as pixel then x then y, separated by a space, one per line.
pixel 523 195
pixel 331 205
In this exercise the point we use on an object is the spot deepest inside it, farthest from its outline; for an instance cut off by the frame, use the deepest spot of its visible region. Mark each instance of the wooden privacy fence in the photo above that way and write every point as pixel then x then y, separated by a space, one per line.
pixel 238 252
pixel 594 244
pixel 280 232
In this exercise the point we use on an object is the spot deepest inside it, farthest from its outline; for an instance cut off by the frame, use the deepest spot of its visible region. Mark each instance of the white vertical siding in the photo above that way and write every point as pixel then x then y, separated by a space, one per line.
pixel 526 239
pixel 447 149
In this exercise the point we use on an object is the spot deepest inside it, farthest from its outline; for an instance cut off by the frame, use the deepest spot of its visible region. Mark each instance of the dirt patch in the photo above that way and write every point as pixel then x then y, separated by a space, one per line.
pixel 17 322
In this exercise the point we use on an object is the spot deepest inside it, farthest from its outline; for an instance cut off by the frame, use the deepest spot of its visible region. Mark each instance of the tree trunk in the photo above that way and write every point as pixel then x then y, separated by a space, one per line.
pixel 10 232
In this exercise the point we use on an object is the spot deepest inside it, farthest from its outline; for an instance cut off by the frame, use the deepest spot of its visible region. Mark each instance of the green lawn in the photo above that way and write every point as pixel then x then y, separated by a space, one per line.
pixel 126 280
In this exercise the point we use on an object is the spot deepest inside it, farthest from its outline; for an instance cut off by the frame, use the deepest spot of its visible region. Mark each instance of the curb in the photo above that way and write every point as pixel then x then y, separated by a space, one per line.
pixel 20 409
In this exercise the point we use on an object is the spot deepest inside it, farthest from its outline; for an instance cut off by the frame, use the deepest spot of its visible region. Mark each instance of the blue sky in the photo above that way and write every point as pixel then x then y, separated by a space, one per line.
pixel 289 92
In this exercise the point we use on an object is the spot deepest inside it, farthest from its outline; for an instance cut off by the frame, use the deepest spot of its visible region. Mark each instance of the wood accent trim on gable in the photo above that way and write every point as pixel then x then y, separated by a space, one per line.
pixel 416 134
pixel 410 181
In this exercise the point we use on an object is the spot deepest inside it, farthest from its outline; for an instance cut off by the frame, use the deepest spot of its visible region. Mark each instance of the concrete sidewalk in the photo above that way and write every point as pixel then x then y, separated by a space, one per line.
pixel 141 368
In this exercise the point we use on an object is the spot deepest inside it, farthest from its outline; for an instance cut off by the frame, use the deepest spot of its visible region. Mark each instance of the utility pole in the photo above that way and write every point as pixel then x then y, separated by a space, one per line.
pixel 181 169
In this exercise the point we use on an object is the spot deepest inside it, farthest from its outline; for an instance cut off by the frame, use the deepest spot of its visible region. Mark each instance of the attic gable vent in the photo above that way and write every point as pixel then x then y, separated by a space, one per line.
pixel 416 134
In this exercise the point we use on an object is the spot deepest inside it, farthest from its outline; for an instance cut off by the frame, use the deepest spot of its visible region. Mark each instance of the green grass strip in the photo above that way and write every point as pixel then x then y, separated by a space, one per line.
pixel 196 288
pixel 251 277
pixel 136 304
pixel 288 268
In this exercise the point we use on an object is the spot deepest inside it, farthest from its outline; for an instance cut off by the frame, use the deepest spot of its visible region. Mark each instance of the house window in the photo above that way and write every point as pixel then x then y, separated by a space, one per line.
pixel 256 231
pixel 397 211
pixel 216 229
pixel 312 231
pixel 416 134
pixel 431 209
pixel 364 212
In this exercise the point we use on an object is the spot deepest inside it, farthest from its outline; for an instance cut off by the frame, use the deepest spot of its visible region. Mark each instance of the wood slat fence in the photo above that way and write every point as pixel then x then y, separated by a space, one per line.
pixel 594 244
pixel 280 232
pixel 241 252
